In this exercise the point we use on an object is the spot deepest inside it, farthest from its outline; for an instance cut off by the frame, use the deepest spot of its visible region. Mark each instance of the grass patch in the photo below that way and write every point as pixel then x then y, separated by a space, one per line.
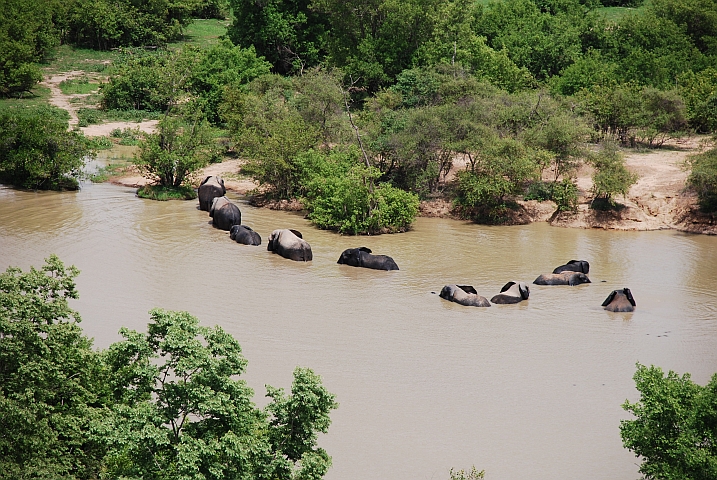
pixel 108 171
pixel 158 192
pixel 128 136
pixel 203 33
pixel 130 115
pixel 68 58
pixel 100 143
pixel 39 95
pixel 81 86
pixel 88 116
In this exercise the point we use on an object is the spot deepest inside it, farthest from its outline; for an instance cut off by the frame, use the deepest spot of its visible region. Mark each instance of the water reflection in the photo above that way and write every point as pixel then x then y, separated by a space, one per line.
pixel 528 390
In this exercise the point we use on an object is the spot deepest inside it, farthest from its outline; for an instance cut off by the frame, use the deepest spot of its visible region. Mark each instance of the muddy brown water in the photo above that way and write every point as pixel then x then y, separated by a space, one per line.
pixel 523 391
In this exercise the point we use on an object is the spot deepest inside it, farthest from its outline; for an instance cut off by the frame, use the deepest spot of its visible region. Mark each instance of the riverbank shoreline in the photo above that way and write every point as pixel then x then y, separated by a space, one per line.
pixel 658 201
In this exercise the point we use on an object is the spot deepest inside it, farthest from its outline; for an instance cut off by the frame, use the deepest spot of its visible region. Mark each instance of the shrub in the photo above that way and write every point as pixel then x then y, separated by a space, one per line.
pixel 162 193
pixel 88 116
pixel 700 93
pixel 611 177
pixel 565 195
pixel 703 178
pixel 37 151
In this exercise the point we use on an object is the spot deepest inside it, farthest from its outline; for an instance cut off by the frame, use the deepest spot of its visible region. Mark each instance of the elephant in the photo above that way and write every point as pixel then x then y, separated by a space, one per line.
pixel 217 203
pixel 245 235
pixel 574 266
pixel 289 244
pixel 512 293
pixel 464 295
pixel 225 214
pixel 209 189
pixel 361 257
pixel 620 301
pixel 565 278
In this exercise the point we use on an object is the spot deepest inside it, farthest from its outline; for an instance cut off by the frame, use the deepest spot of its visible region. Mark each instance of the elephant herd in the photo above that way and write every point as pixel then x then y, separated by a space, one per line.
pixel 290 244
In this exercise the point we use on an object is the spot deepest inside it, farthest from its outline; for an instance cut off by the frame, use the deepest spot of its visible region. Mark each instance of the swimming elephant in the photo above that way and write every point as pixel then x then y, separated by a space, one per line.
pixel 209 189
pixel 619 301
pixel 217 203
pixel 512 293
pixel 574 266
pixel 464 295
pixel 361 257
pixel 564 278
pixel 224 214
pixel 289 244
pixel 245 235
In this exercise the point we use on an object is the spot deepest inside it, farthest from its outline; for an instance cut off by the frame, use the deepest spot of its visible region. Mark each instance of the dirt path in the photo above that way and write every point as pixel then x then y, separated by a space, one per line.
pixel 60 100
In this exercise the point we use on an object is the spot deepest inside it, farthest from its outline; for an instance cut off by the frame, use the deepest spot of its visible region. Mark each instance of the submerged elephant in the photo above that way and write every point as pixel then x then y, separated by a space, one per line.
pixel 512 293
pixel 464 295
pixel 619 301
pixel 361 257
pixel 574 266
pixel 289 244
pixel 564 278
pixel 224 214
pixel 209 189
pixel 245 235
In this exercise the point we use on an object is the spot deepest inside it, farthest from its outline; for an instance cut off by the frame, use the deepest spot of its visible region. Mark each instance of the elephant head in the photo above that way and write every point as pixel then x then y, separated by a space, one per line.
pixel 512 292
pixel 620 301
pixel 217 203
pixel 244 235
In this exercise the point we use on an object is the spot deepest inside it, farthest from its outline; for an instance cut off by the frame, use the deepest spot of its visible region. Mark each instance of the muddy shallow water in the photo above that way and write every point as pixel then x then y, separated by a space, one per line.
pixel 523 391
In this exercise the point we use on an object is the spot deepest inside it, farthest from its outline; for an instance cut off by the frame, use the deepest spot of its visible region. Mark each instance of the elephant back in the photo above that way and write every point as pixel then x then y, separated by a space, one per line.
pixel 287 244
pixel 581 266
pixel 244 235
pixel 226 216
pixel 210 188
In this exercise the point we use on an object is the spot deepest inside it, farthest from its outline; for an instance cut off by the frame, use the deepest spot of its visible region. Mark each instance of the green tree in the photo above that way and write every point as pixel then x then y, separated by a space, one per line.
pixel 288 33
pixel 674 429
pixel 180 412
pixel 699 91
pixel 179 148
pixel 52 391
pixel 703 178
pixel 610 177
pixel 37 151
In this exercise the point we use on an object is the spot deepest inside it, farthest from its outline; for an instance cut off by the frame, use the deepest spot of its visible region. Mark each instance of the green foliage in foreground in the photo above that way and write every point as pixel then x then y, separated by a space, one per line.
pixel 160 405
pixel 703 178
pixel 611 177
pixel 675 426
pixel 37 151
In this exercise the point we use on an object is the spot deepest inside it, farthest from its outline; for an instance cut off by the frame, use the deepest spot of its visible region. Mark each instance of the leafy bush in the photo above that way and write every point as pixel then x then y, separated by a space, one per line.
pixel 699 91
pixel 340 194
pixel 674 425
pixel 162 193
pixel 611 177
pixel 37 151
pixel 703 178
pixel 88 116
pixel 175 152
pixel 139 81
pixel 565 195
pixel 100 143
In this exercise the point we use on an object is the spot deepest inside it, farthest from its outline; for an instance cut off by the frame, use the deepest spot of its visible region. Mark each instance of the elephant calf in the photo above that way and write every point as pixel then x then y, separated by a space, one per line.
pixel 464 295
pixel 209 189
pixel 224 213
pixel 289 244
pixel 574 266
pixel 620 301
pixel 245 235
pixel 361 257
pixel 564 278
pixel 512 293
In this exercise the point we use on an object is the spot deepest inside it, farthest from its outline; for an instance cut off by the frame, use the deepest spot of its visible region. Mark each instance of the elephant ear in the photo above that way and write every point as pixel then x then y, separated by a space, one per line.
pixel 628 294
pixel 248 228
pixel 205 180
pixel 585 267
pixel 524 291
pixel 609 298
pixel 364 249
pixel 468 289
pixel 507 286
pixel 297 233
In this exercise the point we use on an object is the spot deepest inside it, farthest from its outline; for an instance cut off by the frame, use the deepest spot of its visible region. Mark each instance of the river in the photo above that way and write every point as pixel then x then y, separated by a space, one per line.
pixel 523 391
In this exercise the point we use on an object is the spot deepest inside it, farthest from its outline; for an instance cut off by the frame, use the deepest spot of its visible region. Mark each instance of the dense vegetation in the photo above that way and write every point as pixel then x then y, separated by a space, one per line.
pixel 37 151
pixel 703 178
pixel 675 426
pixel 164 404
pixel 520 92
